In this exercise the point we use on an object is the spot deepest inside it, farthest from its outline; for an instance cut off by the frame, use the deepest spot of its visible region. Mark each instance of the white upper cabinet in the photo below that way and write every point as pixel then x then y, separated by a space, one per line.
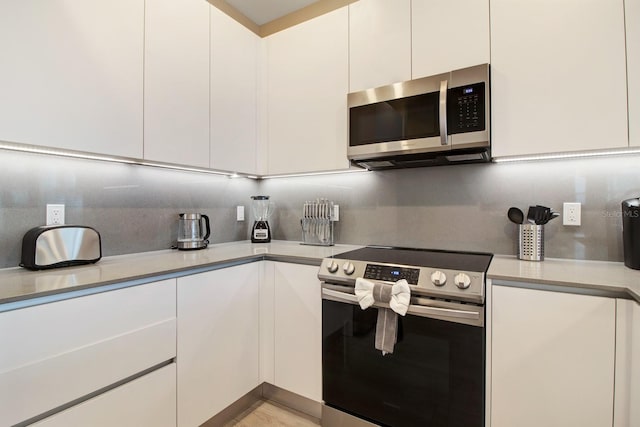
pixel 176 82
pixel 307 85
pixel 379 43
pixel 400 40
pixel 234 79
pixel 632 15
pixel 72 74
pixel 558 76
pixel 448 34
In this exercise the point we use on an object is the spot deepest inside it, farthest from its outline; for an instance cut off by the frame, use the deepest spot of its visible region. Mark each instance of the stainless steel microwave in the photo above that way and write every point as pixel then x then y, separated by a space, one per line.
pixel 436 120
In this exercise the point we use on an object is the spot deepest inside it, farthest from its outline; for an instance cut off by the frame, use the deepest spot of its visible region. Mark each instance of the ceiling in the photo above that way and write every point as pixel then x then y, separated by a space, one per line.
pixel 263 11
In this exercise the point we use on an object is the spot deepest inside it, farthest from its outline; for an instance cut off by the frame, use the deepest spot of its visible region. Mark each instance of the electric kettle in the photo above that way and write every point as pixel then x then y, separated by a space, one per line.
pixel 191 233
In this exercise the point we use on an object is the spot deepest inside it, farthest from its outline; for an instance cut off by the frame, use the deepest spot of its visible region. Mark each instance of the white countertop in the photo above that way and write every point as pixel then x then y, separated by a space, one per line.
pixel 613 277
pixel 19 284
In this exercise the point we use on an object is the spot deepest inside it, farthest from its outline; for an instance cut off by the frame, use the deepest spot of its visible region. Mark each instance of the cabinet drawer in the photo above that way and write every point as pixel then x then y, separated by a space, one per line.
pixel 58 352
pixel 147 401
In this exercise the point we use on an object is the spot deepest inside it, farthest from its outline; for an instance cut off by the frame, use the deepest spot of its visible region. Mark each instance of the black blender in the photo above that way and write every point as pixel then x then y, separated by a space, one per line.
pixel 261 233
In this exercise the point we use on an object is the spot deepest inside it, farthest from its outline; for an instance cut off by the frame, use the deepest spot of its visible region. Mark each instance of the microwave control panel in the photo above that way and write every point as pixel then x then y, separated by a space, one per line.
pixel 466 108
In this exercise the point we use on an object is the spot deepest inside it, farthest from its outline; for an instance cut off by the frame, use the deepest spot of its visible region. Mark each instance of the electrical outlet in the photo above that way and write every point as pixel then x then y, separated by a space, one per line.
pixel 55 214
pixel 336 213
pixel 571 214
pixel 239 213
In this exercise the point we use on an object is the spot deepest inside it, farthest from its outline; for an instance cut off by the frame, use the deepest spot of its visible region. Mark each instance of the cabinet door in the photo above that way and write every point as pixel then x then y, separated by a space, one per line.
pixel 267 322
pixel 234 79
pixel 176 82
pixel 632 16
pixel 218 341
pixel 147 401
pixel 627 395
pixel 448 34
pixel 56 353
pixel 552 359
pixel 307 85
pixel 72 73
pixel 558 76
pixel 379 43
pixel 298 330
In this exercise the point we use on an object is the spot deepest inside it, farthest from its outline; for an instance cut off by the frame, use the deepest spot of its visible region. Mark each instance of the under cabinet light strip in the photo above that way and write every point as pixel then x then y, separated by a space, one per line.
pixel 295 175
pixel 63 153
pixel 113 159
pixel 566 156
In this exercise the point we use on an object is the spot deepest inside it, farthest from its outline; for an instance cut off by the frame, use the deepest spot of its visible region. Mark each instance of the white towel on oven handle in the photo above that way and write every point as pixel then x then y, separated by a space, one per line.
pixel 400 295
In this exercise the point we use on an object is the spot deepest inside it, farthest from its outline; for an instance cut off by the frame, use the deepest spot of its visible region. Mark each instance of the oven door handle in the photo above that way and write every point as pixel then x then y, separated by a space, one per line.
pixel 464 316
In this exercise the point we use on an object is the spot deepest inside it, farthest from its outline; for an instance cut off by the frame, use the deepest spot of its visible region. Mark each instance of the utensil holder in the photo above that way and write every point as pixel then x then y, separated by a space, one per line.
pixel 531 242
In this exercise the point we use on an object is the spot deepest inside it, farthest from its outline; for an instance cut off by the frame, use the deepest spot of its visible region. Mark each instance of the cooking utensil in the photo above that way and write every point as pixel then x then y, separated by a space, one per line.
pixel 540 215
pixel 533 214
pixel 515 215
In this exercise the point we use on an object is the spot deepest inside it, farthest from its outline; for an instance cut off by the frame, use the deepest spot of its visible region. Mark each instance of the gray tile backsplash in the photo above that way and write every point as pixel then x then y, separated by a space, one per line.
pixel 135 208
pixel 464 207
pixel 461 207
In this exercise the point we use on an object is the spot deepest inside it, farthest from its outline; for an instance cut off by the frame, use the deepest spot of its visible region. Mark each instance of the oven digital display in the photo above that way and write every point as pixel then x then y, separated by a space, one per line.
pixel 391 274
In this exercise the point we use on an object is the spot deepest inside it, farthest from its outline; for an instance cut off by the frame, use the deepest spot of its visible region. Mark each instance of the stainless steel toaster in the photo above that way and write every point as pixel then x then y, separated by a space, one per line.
pixel 60 246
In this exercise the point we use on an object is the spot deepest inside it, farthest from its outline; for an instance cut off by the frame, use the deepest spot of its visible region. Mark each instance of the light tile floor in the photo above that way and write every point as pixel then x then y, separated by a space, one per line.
pixel 272 414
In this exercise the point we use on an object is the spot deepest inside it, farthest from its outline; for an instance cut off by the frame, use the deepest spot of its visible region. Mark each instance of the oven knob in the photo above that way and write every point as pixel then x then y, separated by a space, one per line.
pixel 332 267
pixel 348 268
pixel 462 280
pixel 438 278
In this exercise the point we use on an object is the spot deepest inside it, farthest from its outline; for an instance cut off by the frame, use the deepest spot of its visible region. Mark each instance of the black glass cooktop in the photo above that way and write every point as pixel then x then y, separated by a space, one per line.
pixel 451 260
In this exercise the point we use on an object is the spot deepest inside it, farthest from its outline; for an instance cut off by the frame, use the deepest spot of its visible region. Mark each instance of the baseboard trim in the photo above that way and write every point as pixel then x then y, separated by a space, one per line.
pixel 236 408
pixel 292 400
pixel 266 392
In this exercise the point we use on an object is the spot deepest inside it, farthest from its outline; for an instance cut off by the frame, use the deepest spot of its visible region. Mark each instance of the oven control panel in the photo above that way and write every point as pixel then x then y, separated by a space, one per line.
pixel 427 281
pixel 391 273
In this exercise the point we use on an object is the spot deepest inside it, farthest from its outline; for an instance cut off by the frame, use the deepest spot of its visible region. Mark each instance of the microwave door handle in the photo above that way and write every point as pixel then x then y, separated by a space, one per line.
pixel 444 85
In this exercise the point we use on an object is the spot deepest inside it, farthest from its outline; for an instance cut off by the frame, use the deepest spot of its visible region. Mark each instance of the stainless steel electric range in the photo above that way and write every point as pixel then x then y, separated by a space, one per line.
pixel 435 375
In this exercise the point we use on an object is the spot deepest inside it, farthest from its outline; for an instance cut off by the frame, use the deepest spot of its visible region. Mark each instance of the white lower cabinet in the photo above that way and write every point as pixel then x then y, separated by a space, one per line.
pixel 218 340
pixel 147 401
pixel 627 394
pixel 298 330
pixel 54 354
pixel 552 359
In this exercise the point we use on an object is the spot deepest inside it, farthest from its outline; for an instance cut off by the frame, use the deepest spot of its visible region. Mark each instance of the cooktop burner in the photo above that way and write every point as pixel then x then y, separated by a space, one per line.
pixel 453 260
pixel 444 274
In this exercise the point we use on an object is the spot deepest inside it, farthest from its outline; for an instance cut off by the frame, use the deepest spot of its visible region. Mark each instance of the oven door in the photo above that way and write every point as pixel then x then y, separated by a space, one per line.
pixel 434 377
